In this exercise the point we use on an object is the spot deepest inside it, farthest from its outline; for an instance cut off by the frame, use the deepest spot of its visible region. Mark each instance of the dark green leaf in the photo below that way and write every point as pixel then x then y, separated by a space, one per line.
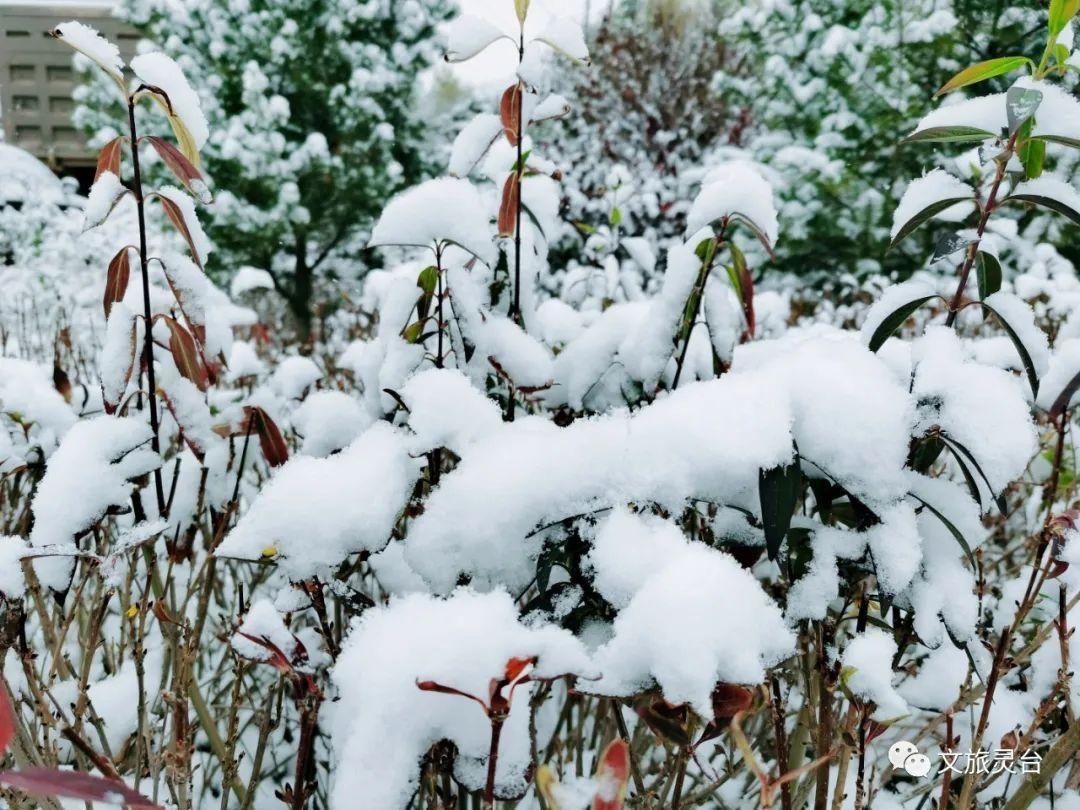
pixel 959 450
pixel 895 320
pixel 924 216
pixel 988 274
pixel 1025 357
pixel 954 134
pixel 948 244
pixel 955 532
pixel 778 489
pixel 1047 202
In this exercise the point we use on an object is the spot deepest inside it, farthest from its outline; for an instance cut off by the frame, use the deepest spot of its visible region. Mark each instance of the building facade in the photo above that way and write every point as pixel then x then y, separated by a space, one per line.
pixel 37 78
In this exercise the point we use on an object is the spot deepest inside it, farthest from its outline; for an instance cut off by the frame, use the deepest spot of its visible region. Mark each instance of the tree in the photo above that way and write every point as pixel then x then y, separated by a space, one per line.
pixel 304 148
pixel 826 79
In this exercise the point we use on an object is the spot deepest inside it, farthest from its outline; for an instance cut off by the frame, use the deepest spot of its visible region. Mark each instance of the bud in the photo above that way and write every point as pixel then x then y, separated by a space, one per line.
pixel 522 9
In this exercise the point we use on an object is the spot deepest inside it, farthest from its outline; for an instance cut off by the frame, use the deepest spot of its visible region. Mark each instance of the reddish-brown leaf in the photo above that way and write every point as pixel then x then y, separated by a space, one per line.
pixel 729 699
pixel 517 668
pixel 270 439
pixel 508 210
pixel 186 354
pixel 109 158
pixel 74 785
pixel 276 657
pixel 432 686
pixel 176 216
pixel 7 719
pixel 612 774
pixel 61 381
pixel 116 279
pixel 510 113
pixel 183 169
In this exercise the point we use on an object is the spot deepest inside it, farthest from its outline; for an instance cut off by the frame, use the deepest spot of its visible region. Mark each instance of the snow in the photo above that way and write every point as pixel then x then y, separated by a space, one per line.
pixel 937 186
pixel 244 361
pixel 90 43
pixel 867 670
pixel 158 70
pixel 1063 367
pixel 445 410
pixel 628 549
pixel 293 376
pixel 104 194
pixel 118 353
pixel 554 106
pixel 383 724
pixel 265 623
pixel 12 583
pixel 90 471
pixel 329 421
pixel 473 142
pixel 200 242
pixel 728 630
pixel 248 279
pixel 315 512
pixel 437 213
pixel 735 189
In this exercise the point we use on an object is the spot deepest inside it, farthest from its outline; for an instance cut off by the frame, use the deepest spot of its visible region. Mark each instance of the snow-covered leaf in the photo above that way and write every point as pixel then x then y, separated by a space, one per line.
pixel 736 190
pixel 180 209
pixel 91 44
pixel 467 36
pixel 106 192
pixel 1018 321
pixel 779 493
pixel 473 143
pixel 1049 192
pixel 892 310
pixel 565 36
pixel 924 199
pixel 181 103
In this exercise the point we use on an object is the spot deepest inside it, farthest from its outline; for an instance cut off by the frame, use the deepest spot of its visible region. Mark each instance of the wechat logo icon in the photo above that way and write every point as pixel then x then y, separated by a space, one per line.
pixel 905 756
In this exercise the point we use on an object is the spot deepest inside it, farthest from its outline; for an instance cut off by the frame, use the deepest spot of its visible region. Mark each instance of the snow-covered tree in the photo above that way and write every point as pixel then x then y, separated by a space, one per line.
pixel 827 83
pixel 310 104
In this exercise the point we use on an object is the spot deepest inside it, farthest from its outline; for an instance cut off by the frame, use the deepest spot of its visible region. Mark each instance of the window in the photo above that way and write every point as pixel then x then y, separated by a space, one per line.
pixel 60 104
pixel 22 73
pixel 28 134
pixel 65 134
pixel 17 34
pixel 25 103
pixel 58 73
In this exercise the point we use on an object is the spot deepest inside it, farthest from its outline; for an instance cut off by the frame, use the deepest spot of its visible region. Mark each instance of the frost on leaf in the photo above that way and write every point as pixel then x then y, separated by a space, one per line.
pixel 384 724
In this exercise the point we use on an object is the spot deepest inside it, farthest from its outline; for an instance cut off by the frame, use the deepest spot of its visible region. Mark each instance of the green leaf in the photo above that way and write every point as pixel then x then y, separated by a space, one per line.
pixel 413 332
pixel 1060 139
pixel 925 216
pixel 953 134
pixel 895 320
pixel 1061 11
pixel 1025 357
pixel 778 489
pixel 988 274
pixel 1061 402
pixel 428 280
pixel 615 217
pixel 1047 202
pixel 1033 155
pixel 948 244
pixel 955 532
pixel 1021 104
pixel 983 71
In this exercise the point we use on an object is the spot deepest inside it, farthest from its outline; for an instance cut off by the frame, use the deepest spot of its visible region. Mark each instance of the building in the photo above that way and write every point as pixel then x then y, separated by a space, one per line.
pixel 37 78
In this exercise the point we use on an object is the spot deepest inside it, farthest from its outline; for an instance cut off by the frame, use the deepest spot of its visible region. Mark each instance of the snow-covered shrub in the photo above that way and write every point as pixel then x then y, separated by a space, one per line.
pixel 688 547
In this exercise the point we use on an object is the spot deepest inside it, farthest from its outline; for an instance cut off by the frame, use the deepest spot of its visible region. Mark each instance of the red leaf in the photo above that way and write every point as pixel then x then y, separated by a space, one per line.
pixel 510 113
pixel 612 774
pixel 270 439
pixel 186 353
pixel 182 168
pixel 508 210
pixel 729 699
pixel 7 719
pixel 517 668
pixel 432 686
pixel 116 279
pixel 176 216
pixel 278 660
pixel 109 158
pixel 74 785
